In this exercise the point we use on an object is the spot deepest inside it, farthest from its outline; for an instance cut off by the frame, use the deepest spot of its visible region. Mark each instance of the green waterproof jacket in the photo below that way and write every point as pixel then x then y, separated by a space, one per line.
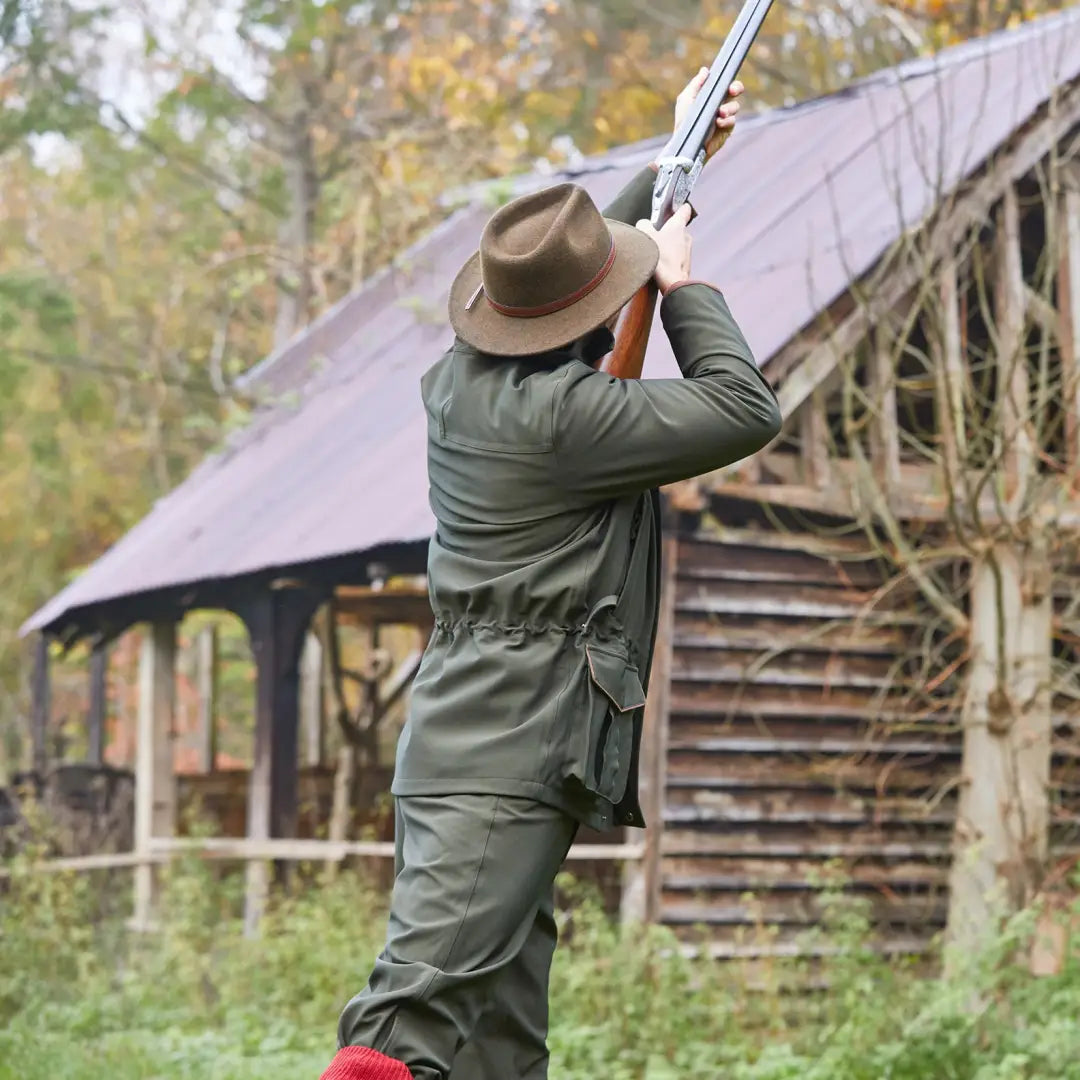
pixel 544 570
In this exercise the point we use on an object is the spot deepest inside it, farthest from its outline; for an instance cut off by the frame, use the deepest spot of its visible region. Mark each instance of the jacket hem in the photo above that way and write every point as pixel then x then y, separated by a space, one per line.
pixel 598 815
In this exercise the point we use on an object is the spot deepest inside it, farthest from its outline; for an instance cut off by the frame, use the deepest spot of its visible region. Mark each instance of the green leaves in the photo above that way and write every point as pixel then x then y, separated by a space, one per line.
pixel 200 1000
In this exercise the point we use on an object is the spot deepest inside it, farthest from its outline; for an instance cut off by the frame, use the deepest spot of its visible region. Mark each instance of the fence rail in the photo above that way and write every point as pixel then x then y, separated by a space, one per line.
pixel 162 850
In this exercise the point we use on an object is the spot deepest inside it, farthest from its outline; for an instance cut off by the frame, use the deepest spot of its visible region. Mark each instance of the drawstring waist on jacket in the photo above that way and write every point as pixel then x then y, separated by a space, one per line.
pixel 449 625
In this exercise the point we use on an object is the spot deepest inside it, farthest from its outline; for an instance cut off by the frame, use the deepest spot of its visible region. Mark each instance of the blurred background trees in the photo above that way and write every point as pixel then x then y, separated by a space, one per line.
pixel 186 183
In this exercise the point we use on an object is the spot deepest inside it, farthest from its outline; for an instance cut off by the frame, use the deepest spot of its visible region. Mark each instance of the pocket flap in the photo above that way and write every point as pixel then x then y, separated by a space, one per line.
pixel 617 677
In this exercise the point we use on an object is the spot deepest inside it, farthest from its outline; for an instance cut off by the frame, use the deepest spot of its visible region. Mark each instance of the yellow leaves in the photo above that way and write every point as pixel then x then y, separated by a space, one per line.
pixel 463 44
pixel 717 27
pixel 590 38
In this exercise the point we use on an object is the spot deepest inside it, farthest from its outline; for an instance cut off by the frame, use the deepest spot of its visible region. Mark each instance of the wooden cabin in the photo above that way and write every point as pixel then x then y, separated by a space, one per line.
pixel 869 654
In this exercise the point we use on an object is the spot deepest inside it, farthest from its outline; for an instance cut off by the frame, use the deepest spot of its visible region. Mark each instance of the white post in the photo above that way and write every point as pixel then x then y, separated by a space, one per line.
pixel 155 779
pixel 311 701
pixel 207 668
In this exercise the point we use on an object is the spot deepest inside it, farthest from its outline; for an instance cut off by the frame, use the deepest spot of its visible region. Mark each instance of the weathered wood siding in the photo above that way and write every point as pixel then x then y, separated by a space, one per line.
pixel 797 736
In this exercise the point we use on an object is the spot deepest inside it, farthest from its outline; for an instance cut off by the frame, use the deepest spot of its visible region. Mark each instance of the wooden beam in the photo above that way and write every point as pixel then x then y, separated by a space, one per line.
pixel 950 379
pixel 888 283
pixel 207 676
pixel 155 779
pixel 910 504
pixel 399 680
pixel 99 707
pixel 814 441
pixel 884 426
pixel 312 711
pixel 837 501
pixel 1017 450
pixel 319 850
pixel 341 804
pixel 163 850
pixel 1069 332
pixel 41 710
pixel 366 607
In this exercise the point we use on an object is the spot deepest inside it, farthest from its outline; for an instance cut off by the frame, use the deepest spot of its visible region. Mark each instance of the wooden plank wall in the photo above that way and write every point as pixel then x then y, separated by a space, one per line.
pixel 794 740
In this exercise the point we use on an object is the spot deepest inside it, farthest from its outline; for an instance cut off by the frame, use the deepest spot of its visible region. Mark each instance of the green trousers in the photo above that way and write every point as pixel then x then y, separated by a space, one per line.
pixel 460 990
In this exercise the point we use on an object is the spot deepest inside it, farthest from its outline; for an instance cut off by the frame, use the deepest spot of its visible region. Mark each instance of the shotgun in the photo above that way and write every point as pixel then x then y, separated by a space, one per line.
pixel 678 169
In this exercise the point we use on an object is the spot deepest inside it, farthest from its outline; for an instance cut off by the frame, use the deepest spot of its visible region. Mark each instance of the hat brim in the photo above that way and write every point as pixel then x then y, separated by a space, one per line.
pixel 490 331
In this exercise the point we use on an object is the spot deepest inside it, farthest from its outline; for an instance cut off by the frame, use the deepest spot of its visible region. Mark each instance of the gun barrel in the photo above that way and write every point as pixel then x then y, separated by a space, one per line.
pixel 694 132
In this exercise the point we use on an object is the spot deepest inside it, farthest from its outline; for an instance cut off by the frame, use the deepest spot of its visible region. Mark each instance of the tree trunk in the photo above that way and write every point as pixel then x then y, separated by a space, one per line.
pixel 1001 837
pixel 296 235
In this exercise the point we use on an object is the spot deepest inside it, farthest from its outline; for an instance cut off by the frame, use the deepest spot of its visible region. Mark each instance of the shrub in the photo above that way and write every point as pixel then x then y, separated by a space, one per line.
pixel 81 997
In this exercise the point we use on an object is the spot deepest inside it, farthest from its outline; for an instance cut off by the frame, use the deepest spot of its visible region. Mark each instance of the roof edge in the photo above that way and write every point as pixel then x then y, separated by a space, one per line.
pixel 118 613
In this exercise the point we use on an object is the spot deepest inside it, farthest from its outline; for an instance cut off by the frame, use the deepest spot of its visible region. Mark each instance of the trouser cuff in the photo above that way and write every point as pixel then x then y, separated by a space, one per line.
pixel 360 1063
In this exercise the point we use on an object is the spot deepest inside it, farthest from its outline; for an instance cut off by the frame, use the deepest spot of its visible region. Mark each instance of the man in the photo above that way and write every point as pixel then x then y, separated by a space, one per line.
pixel 525 717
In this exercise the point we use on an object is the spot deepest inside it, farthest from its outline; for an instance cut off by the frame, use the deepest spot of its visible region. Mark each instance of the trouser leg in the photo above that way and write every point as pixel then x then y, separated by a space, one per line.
pixel 475 872
pixel 509 1041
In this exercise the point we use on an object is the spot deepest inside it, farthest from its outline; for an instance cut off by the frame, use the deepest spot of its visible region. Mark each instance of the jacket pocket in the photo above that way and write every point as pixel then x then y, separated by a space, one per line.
pixel 602 764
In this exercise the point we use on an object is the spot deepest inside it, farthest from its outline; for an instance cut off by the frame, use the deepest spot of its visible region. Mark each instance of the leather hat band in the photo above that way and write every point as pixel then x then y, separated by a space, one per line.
pixel 557 305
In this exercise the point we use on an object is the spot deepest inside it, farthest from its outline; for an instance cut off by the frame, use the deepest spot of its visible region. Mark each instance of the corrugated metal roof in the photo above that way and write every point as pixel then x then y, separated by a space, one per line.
pixel 802 202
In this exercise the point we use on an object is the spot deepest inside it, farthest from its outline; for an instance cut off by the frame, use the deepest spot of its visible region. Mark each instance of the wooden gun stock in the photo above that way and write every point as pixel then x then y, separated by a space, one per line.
pixel 627 359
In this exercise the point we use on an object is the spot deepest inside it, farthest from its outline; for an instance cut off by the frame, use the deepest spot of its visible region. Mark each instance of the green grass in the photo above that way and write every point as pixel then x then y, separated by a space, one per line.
pixel 82 998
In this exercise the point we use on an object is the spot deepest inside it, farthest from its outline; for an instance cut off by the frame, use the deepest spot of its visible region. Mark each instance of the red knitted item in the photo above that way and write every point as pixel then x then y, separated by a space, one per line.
pixel 360 1063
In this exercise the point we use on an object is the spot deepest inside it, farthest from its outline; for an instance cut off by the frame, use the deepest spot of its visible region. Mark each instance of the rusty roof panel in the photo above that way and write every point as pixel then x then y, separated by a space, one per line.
pixel 803 201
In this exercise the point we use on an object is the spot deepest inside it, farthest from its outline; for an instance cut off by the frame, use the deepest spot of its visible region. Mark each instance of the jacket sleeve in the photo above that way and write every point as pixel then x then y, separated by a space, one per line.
pixel 614 437
pixel 634 202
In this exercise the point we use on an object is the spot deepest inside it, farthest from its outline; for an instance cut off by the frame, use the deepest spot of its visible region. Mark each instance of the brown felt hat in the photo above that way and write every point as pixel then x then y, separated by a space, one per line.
pixel 550 268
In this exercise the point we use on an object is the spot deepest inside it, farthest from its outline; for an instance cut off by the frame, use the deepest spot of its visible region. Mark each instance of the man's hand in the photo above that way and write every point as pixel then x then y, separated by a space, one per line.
pixel 675 245
pixel 725 116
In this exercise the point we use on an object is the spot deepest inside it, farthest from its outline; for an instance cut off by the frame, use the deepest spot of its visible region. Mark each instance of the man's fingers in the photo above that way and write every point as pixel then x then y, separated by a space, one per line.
pixel 735 89
pixel 646 227
pixel 695 84
pixel 682 216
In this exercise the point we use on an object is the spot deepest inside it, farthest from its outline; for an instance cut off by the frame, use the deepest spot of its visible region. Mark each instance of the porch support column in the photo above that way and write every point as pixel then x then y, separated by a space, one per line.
pixel 277 621
pixel 99 705
pixel 155 777
pixel 42 708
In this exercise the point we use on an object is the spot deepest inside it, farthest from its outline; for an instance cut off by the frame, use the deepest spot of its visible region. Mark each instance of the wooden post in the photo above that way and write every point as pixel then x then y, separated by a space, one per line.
pixel 814 440
pixel 341 807
pixel 1003 814
pixel 949 380
pixel 42 707
pixel 884 427
pixel 277 621
pixel 96 716
pixel 347 762
pixel 155 778
pixel 643 882
pixel 207 676
pixel 1069 334
pixel 1017 451
pixel 311 702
